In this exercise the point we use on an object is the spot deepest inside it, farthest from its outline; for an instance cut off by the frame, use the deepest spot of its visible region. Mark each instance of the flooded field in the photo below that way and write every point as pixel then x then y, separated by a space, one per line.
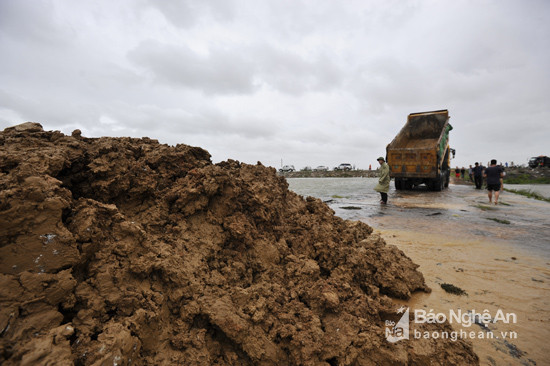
pixel 500 256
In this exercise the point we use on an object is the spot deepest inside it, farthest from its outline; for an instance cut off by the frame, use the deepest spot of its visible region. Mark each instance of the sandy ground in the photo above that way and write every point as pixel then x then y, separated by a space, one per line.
pixel 453 243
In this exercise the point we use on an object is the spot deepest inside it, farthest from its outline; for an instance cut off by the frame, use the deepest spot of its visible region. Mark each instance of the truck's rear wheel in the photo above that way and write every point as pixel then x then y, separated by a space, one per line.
pixel 398 184
pixel 437 184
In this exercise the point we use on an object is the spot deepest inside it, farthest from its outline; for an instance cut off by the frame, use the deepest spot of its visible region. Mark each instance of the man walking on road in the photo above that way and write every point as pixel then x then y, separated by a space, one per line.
pixel 478 174
pixel 383 185
pixel 493 175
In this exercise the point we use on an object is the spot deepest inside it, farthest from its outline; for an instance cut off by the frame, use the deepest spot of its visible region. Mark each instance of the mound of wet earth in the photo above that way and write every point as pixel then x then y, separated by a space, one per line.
pixel 125 251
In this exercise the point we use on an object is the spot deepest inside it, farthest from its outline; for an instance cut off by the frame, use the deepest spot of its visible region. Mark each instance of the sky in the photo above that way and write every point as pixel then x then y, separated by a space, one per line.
pixel 301 82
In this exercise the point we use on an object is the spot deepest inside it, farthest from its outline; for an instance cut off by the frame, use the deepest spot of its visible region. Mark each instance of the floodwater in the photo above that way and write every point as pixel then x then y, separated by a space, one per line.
pixel 499 255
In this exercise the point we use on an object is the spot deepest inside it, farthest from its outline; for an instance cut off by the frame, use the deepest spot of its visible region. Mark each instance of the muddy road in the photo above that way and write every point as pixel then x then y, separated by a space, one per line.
pixel 499 255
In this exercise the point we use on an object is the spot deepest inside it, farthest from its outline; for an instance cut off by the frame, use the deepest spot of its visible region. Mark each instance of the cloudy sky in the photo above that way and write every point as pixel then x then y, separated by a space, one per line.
pixel 302 82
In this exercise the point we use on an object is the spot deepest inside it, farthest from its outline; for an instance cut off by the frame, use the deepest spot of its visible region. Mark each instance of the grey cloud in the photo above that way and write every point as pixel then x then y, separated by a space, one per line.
pixel 58 94
pixel 180 13
pixel 187 13
pixel 252 127
pixel 48 109
pixel 241 70
pixel 292 73
pixel 296 21
pixel 220 72
pixel 385 81
pixel 32 21
pixel 178 123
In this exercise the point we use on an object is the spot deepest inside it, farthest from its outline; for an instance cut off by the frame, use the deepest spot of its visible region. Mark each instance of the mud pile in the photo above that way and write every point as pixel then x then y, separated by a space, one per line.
pixel 118 251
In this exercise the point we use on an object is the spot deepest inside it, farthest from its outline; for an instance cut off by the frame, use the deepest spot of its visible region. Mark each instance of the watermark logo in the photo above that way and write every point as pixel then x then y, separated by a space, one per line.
pixel 400 330
pixel 396 331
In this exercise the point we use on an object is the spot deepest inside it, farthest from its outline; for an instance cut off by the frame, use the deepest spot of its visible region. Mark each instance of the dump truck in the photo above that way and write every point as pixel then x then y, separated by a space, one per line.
pixel 539 161
pixel 420 153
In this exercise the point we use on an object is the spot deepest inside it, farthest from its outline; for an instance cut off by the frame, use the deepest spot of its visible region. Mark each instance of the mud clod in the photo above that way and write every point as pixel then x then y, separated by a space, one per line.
pixel 123 250
pixel 452 289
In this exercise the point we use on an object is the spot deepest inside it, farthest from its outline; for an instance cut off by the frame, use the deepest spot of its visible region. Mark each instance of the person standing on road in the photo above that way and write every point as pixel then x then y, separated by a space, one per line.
pixel 478 175
pixel 493 174
pixel 462 172
pixel 383 185
pixel 471 173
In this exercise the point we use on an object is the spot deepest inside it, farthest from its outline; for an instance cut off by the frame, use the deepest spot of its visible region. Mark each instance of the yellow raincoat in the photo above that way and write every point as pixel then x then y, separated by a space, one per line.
pixel 384 180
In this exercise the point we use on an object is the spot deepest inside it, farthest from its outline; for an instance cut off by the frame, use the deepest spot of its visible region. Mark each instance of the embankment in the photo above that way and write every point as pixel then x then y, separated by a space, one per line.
pixel 331 174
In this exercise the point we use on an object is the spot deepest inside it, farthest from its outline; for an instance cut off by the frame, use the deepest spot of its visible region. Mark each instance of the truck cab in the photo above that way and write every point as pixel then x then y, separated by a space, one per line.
pixel 539 161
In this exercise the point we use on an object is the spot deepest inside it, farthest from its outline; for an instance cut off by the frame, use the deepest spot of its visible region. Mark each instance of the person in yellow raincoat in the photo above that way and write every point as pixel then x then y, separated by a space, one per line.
pixel 383 185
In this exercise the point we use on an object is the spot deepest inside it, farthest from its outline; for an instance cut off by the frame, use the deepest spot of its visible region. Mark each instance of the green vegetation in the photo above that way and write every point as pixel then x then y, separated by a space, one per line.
pixel 350 208
pixel 337 196
pixel 500 221
pixel 485 207
pixel 526 179
pixel 452 289
pixel 528 193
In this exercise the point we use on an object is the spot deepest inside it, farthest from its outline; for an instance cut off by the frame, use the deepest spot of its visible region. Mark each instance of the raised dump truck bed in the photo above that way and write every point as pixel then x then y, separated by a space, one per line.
pixel 420 152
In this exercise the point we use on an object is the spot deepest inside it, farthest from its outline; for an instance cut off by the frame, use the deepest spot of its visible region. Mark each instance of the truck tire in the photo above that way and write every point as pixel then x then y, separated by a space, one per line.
pixel 398 184
pixel 437 184
pixel 447 176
